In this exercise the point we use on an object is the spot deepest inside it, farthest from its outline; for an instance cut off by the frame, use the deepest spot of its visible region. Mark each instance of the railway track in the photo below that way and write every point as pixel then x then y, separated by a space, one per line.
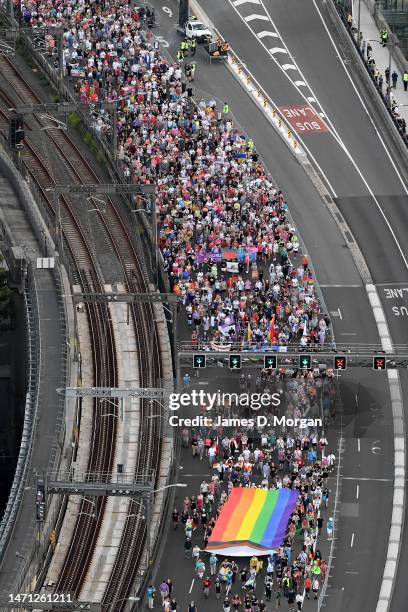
pixel 102 453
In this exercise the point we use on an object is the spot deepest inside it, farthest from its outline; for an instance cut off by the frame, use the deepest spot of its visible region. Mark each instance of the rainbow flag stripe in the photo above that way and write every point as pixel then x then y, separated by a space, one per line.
pixel 253 520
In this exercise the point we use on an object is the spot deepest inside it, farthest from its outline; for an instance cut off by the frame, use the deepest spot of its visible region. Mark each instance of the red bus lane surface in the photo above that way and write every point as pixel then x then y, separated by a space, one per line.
pixel 303 119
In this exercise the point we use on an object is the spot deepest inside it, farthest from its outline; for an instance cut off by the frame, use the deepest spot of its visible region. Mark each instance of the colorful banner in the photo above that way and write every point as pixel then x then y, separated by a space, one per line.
pixel 252 522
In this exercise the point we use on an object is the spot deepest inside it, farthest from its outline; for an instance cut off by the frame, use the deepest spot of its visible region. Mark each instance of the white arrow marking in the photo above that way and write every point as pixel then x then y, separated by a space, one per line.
pixel 253 17
pixel 289 67
pixel 239 2
pixel 277 50
pixel 265 33
pixel 167 10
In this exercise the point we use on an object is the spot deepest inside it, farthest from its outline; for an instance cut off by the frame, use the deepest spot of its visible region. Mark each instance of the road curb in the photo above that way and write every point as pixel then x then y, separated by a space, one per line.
pixel 272 113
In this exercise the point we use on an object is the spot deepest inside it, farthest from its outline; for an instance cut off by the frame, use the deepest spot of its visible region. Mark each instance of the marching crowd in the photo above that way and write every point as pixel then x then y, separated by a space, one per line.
pixel 232 255
pixel 271 459
pixel 230 251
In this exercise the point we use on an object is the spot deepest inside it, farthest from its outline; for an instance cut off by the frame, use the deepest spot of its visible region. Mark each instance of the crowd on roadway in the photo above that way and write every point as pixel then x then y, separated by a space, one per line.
pixel 267 458
pixel 229 248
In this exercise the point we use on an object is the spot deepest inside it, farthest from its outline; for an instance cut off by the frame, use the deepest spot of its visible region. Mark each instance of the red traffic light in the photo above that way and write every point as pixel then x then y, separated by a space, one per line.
pixel 340 362
pixel 379 363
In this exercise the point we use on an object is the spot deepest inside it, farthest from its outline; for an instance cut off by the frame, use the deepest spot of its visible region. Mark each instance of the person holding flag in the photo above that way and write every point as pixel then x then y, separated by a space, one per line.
pixel 249 333
pixel 271 332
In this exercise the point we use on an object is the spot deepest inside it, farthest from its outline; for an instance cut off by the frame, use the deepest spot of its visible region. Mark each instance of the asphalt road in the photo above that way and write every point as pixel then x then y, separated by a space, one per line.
pixel 357 167
pixel 350 155
pixel 173 563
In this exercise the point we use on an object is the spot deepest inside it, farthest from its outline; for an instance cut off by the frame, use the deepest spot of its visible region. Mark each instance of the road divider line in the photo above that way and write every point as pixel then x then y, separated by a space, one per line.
pixel 357 491
pixel 352 540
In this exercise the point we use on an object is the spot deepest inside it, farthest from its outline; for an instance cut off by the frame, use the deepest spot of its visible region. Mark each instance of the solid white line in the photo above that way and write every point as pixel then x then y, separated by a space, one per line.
pixel 239 2
pixel 192 584
pixel 299 138
pixel 367 479
pixel 352 540
pixel 253 17
pixel 358 444
pixel 267 33
pixel 336 135
pixel 357 491
pixel 357 400
pixel 260 87
pixel 277 50
pixel 340 315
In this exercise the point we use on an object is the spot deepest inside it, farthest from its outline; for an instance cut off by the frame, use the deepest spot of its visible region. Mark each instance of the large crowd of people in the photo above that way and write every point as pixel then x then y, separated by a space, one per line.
pixel 233 257
pixel 268 458
pixel 231 253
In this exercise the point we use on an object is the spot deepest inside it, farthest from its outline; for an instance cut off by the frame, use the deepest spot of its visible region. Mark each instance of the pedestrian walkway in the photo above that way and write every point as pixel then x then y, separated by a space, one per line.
pixel 381 56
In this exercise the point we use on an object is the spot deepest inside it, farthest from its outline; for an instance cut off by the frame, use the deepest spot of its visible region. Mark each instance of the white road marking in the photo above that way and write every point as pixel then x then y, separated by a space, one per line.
pixel 348 333
pixel 340 315
pixel 354 573
pixel 322 115
pixel 277 50
pixel 192 584
pixel 204 382
pixel 357 491
pixel 358 444
pixel 265 33
pixel 352 540
pixel 289 67
pixel 365 479
pixel 311 99
pixel 357 400
pixel 273 103
pixel 167 10
pixel 339 140
pixel 239 2
pixel 300 84
pixel 253 17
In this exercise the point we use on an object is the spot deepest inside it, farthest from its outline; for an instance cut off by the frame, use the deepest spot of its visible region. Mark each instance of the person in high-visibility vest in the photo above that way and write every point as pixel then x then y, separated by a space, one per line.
pixel 405 80
pixel 180 55
pixel 225 109
pixel 193 45
pixel 384 37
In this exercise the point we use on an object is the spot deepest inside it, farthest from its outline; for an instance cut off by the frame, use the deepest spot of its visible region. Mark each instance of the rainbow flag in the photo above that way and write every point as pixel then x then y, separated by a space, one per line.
pixel 252 522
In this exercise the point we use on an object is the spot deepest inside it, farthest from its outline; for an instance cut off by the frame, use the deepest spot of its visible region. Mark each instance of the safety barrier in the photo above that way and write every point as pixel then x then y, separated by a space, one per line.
pixel 30 412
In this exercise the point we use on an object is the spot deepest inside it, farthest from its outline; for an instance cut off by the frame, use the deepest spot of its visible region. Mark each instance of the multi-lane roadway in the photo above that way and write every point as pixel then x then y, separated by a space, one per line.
pixel 292 49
